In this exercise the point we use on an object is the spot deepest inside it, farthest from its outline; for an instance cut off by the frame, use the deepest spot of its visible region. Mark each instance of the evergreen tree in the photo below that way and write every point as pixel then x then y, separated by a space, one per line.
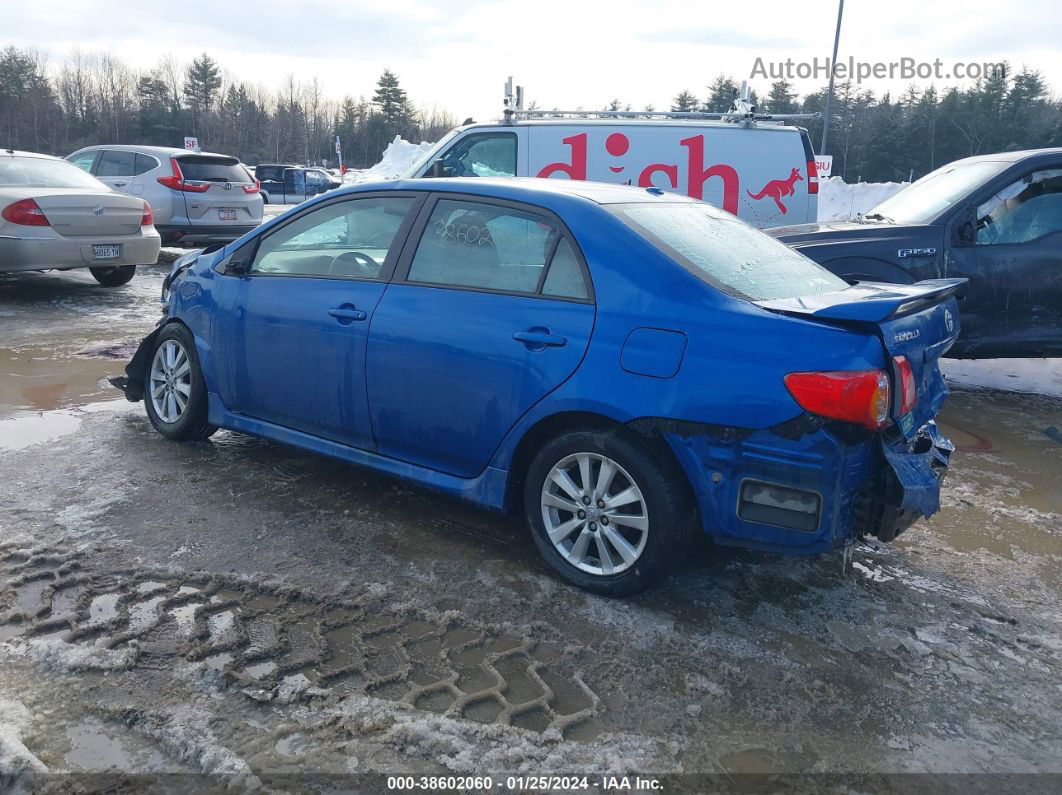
pixel 685 102
pixel 781 99
pixel 201 84
pixel 721 95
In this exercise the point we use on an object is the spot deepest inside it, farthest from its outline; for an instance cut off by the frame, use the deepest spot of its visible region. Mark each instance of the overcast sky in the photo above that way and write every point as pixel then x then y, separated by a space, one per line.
pixel 567 53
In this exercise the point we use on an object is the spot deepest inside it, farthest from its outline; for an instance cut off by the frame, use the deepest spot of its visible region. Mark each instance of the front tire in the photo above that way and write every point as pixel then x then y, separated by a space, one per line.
pixel 114 275
pixel 174 391
pixel 608 511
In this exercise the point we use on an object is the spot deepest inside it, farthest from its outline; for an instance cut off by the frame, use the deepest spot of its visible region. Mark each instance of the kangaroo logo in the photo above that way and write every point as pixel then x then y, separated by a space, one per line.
pixel 777 188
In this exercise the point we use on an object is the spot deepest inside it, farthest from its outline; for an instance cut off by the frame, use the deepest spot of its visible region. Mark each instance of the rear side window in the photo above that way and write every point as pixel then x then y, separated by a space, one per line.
pixel 213 169
pixel 490 247
pixel 726 252
pixel 116 164
pixel 144 163
pixel 269 173
pixel 565 277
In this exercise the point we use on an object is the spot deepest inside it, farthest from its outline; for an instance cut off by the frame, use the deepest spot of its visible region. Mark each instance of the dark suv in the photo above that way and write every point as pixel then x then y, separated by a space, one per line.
pixel 995 219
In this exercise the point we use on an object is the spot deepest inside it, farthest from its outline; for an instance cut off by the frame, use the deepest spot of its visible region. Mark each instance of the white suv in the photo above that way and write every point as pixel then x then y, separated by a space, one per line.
pixel 197 197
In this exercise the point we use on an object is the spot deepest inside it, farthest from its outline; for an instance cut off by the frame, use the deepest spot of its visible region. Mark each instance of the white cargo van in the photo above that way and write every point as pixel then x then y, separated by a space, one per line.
pixel 761 171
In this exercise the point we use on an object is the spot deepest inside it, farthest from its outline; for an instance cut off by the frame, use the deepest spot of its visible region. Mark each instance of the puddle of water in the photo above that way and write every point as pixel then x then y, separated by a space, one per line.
pixel 94 746
pixel 185 617
pixel 217 662
pixel 39 380
pixel 260 669
pixel 144 615
pixel 149 586
pixel 221 627
pixel 21 432
pixel 30 598
pixel 102 609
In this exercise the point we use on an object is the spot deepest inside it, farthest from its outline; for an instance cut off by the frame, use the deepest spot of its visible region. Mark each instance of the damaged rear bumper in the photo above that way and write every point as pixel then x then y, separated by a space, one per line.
pixel 807 493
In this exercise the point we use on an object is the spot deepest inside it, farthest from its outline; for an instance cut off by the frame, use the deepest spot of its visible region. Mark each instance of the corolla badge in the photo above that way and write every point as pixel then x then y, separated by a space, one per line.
pixel 906 336
pixel 949 321
pixel 98 211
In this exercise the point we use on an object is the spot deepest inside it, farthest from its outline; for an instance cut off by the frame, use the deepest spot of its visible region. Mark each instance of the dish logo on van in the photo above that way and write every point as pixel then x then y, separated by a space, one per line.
pixel 617 144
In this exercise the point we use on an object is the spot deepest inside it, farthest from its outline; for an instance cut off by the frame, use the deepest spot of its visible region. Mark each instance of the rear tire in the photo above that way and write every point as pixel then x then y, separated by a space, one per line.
pixel 174 392
pixel 113 276
pixel 630 525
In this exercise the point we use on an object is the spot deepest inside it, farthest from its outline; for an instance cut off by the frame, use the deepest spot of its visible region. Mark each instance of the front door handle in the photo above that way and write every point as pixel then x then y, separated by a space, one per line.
pixel 347 314
pixel 119 184
pixel 538 338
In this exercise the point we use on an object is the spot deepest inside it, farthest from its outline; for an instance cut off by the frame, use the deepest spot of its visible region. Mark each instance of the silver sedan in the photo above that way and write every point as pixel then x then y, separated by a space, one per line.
pixel 54 215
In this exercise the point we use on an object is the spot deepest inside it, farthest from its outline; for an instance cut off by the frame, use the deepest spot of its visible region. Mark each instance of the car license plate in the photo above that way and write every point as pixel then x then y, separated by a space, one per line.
pixel 227 215
pixel 107 251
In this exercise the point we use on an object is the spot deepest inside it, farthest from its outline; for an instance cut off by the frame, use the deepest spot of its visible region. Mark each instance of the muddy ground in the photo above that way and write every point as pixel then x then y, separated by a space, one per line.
pixel 244 610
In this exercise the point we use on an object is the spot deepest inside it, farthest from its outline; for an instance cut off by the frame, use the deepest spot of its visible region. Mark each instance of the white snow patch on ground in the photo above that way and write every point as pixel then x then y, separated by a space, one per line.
pixel 397 157
pixel 15 757
pixel 82 518
pixel 57 655
pixel 1042 376
pixel 186 733
pixel 474 748
pixel 841 201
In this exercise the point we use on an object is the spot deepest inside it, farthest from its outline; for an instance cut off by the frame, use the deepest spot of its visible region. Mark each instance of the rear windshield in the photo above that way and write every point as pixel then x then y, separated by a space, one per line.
pixel 213 169
pixel 726 252
pixel 35 172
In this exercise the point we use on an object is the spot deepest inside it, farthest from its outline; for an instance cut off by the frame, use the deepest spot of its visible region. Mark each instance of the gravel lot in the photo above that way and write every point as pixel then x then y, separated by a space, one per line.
pixel 244 610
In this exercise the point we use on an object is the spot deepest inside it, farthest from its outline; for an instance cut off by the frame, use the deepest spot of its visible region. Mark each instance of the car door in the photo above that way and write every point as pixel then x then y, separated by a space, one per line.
pixel 1017 263
pixel 489 312
pixel 297 330
pixel 116 169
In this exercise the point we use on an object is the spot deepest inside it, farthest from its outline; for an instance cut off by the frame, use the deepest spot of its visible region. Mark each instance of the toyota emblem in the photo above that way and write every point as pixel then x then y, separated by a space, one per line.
pixel 98 211
pixel 949 321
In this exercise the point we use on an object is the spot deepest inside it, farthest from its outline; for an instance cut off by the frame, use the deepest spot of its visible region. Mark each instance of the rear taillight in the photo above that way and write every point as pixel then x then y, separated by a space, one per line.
pixel 176 182
pixel 813 177
pixel 148 218
pixel 25 212
pixel 257 186
pixel 861 396
pixel 905 380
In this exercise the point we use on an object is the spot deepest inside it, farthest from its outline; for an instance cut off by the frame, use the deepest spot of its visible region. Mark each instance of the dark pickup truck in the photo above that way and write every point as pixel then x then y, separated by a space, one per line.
pixel 994 219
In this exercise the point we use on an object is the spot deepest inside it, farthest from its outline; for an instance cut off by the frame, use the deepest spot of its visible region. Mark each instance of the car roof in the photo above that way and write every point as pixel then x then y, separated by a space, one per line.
pixel 530 189
pixel 1014 157
pixel 161 151
pixel 20 153
pixel 578 122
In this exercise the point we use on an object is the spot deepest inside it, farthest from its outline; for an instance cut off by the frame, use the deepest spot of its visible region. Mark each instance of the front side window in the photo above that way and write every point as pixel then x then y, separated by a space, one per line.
pixel 84 160
pixel 348 239
pixel 489 247
pixel 485 155
pixel 1025 210
pixel 726 252
pixel 116 164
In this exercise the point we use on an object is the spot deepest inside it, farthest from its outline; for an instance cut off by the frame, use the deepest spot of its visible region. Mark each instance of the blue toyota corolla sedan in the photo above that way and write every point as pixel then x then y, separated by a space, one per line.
pixel 621 365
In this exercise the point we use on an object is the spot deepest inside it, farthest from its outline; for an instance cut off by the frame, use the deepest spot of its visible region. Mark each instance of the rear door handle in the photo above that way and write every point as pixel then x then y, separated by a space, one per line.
pixel 347 314
pixel 119 184
pixel 537 338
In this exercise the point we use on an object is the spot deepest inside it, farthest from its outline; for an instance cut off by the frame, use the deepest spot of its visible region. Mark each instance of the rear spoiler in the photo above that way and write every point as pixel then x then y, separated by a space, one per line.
pixel 868 302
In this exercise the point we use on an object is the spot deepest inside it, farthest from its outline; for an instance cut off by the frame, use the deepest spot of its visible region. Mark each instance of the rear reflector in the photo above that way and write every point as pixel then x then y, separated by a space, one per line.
pixel 905 380
pixel 25 212
pixel 860 396
pixel 769 503
pixel 813 177
pixel 148 218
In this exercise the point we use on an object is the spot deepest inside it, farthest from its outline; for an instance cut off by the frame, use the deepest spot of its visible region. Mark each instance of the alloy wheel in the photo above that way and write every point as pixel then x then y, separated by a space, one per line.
pixel 595 514
pixel 170 382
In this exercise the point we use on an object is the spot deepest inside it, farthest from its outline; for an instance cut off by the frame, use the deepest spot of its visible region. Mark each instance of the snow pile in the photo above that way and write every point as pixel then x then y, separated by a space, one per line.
pixel 57 655
pixel 1041 376
pixel 397 157
pixel 839 201
pixel 15 757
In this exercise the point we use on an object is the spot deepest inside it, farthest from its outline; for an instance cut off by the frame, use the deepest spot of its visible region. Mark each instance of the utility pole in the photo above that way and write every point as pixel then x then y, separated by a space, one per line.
pixel 833 68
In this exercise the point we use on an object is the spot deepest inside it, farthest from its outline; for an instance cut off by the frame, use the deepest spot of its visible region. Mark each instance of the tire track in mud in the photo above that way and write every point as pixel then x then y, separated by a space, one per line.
pixel 276 642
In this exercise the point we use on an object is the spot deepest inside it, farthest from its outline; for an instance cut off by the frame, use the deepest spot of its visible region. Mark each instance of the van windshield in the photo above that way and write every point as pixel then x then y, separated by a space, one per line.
pixel 428 156
pixel 726 252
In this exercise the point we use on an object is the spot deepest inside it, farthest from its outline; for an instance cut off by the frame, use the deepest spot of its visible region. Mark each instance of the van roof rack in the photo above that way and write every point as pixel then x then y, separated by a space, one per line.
pixel 742 111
